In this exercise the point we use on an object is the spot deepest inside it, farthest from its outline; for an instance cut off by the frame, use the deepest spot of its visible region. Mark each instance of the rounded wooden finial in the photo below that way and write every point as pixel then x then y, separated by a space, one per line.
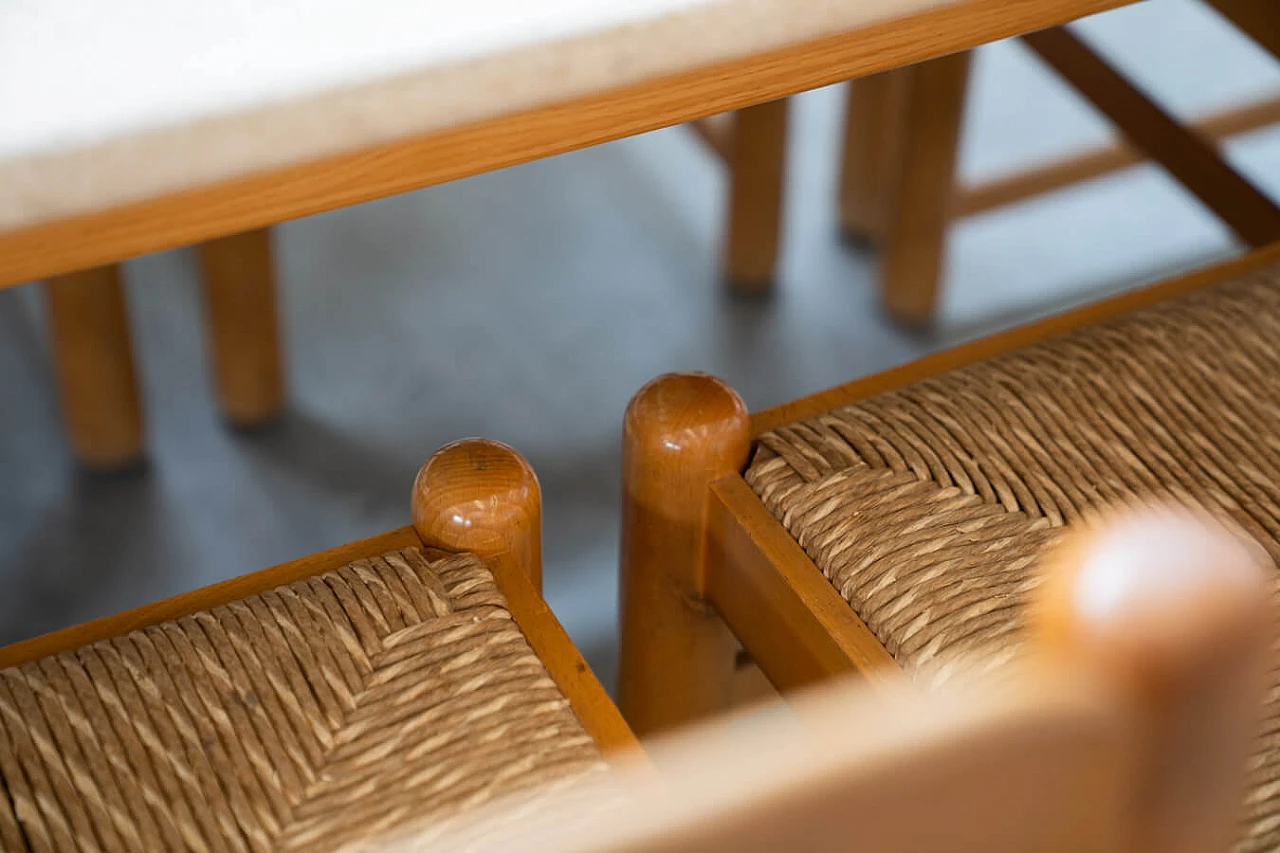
pixel 689 414
pixel 682 432
pixel 482 497
pixel 1169 611
pixel 1152 590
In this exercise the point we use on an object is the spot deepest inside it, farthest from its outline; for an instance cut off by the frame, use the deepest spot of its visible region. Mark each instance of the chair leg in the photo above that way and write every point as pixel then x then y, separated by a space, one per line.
pixel 240 299
pixel 872 138
pixel 922 187
pixel 681 432
pixel 757 174
pixel 93 358
pixel 1260 19
pixel 482 497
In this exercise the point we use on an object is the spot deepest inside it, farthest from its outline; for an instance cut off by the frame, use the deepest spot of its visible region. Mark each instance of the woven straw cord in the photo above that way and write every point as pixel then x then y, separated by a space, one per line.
pixel 927 507
pixel 390 695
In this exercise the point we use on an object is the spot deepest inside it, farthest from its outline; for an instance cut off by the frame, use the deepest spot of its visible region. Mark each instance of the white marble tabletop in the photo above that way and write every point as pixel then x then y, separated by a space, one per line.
pixel 103 103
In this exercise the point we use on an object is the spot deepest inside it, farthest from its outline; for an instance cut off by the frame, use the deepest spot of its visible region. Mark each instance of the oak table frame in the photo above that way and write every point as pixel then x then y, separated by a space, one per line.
pixel 230 215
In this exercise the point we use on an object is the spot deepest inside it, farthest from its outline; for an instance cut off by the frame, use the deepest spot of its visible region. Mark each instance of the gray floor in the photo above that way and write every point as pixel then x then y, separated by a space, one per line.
pixel 527 305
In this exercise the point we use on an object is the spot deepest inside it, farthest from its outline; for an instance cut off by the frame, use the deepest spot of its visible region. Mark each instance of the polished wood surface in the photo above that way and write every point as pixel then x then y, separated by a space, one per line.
pixel 757 180
pixel 787 616
pixel 1003 342
pixel 502 490
pixel 244 326
pixel 681 432
pixel 298 190
pixel 93 359
pixel 1086 165
pixel 204 598
pixel 1189 158
pixel 1170 612
pixel 1056 756
pixel 922 178
pixel 482 497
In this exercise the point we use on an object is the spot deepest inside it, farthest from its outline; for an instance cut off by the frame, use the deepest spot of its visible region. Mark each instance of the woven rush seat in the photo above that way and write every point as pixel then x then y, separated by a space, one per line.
pixel 927 507
pixel 393 694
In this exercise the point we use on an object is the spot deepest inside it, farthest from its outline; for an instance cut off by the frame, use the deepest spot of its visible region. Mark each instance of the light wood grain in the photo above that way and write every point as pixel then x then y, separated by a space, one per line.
pixel 204 598
pixel 1094 163
pixel 260 200
pixel 1259 18
pixel 93 359
pixel 1003 342
pixel 872 142
pixel 999 774
pixel 1122 732
pixel 757 177
pixel 681 432
pixel 787 616
pixel 1188 157
pixel 922 178
pixel 244 326
pixel 565 663
pixel 498 491
pixel 751 687
pixel 482 497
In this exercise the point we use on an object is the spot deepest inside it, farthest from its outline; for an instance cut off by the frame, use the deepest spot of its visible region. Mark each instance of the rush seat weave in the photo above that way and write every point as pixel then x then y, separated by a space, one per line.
pixel 387 696
pixel 926 507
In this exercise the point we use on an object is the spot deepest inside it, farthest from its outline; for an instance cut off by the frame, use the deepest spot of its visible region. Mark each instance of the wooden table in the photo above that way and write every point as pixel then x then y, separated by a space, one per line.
pixel 141 126
pixel 136 126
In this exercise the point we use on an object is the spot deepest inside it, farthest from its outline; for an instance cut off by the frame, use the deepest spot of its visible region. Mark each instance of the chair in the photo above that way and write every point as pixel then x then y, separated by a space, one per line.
pixel 93 353
pixel 395 682
pixel 1127 731
pixel 891 525
pixel 898 189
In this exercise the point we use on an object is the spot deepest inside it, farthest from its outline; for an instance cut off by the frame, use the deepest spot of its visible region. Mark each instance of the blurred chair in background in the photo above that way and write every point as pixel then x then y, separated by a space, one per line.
pixel 898 190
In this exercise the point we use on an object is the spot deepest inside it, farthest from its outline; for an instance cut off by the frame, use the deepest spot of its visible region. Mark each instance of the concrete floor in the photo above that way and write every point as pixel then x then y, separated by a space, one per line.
pixel 529 304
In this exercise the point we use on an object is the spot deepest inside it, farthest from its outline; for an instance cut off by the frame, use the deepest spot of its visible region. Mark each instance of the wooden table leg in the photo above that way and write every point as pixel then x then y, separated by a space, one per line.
pixel 244 333
pixel 757 175
pixel 922 187
pixel 93 358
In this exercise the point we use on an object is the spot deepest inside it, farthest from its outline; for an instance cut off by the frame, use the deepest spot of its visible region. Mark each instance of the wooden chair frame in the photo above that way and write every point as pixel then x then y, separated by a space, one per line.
pixel 898 188
pixel 706 567
pixel 1125 728
pixel 476 496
